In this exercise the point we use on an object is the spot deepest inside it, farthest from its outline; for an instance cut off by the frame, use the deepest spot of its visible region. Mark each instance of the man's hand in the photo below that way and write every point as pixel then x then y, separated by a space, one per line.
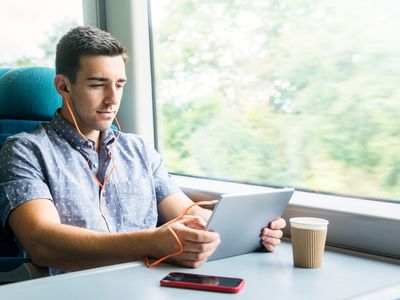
pixel 271 235
pixel 198 244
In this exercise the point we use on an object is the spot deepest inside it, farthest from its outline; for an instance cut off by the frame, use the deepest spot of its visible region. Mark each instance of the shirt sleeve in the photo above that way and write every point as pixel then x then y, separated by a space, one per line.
pixel 21 176
pixel 164 183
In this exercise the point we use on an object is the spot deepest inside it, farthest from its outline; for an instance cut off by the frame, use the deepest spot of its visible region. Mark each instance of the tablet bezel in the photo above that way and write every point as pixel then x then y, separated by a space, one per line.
pixel 240 217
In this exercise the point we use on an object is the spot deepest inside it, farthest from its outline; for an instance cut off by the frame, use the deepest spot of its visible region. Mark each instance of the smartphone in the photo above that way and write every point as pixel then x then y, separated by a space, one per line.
pixel 203 282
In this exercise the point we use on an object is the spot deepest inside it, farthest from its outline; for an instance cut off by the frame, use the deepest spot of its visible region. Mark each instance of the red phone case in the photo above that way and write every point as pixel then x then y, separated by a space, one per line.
pixel 202 286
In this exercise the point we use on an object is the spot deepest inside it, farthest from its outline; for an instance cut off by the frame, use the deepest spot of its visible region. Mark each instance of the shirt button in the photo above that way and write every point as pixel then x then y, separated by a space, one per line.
pixel 78 148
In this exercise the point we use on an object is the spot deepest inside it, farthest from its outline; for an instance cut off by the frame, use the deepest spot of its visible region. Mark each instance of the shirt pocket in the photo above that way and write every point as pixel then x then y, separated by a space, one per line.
pixel 76 202
pixel 137 205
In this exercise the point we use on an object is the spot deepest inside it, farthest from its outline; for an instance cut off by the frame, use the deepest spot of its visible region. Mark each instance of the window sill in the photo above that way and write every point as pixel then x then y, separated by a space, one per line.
pixel 361 225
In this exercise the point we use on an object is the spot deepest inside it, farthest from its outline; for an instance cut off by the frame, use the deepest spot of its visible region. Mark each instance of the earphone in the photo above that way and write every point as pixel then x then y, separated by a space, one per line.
pixel 64 88
pixel 180 217
pixel 103 184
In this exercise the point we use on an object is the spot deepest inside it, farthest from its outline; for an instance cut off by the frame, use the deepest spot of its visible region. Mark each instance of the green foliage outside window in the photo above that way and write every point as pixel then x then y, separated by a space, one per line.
pixel 286 93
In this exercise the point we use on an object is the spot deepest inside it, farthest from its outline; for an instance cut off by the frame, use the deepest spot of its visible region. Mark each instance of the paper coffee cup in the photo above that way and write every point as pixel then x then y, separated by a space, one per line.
pixel 308 241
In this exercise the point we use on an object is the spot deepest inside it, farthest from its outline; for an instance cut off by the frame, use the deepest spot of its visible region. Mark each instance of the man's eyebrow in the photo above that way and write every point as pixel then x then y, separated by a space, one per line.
pixel 103 79
pixel 97 78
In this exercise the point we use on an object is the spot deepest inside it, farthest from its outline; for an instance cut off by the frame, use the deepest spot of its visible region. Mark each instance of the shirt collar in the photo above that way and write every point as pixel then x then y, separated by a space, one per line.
pixel 72 136
pixel 107 137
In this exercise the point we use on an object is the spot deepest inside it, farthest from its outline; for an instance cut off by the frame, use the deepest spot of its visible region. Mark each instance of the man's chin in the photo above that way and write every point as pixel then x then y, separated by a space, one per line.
pixel 103 126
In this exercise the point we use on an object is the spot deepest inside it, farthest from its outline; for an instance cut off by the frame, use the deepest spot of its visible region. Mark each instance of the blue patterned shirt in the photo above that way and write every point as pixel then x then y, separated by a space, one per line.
pixel 52 163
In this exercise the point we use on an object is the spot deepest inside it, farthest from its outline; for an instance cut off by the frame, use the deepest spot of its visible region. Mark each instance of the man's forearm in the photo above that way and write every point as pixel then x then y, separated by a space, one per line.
pixel 71 248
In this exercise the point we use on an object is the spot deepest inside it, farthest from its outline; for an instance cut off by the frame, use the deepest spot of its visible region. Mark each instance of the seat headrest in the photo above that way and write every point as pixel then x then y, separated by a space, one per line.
pixel 28 93
pixel 4 71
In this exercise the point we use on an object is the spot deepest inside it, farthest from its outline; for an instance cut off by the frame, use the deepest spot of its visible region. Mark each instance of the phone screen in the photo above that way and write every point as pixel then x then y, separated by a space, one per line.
pixel 205 282
pixel 204 279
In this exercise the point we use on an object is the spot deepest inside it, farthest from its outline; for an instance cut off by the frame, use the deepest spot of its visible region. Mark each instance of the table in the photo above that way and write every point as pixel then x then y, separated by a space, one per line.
pixel 267 275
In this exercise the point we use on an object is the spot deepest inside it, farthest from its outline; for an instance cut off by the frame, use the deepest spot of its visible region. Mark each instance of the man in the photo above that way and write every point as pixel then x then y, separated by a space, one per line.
pixel 77 194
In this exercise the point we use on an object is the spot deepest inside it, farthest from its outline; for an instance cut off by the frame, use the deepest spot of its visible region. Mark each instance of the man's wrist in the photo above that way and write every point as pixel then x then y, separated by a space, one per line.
pixel 146 242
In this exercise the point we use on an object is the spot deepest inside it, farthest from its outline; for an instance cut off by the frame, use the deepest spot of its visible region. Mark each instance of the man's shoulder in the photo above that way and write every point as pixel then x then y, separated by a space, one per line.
pixel 135 143
pixel 36 137
pixel 131 139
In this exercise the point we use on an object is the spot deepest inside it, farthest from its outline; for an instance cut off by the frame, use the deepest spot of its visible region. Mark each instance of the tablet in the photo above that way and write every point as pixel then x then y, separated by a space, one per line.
pixel 239 218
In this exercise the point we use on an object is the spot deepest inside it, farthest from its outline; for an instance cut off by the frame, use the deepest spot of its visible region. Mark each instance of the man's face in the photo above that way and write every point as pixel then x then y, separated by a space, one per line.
pixel 96 95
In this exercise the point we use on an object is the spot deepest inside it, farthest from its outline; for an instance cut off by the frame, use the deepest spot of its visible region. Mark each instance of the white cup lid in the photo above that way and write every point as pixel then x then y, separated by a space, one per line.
pixel 309 223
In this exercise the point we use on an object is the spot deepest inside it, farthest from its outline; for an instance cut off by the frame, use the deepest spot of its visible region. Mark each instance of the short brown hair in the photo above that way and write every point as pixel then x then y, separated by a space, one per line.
pixel 84 41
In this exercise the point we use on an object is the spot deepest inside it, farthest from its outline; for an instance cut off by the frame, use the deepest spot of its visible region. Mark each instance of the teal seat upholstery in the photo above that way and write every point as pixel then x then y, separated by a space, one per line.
pixel 27 97
pixel 3 71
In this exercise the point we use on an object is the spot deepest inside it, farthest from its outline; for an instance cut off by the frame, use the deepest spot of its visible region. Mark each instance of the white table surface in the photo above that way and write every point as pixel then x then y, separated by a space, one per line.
pixel 267 276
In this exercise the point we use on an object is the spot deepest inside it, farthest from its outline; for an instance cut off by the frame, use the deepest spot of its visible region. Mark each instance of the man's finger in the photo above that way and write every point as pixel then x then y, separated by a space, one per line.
pixel 200 247
pixel 272 233
pixel 194 235
pixel 269 247
pixel 269 240
pixel 196 222
pixel 278 224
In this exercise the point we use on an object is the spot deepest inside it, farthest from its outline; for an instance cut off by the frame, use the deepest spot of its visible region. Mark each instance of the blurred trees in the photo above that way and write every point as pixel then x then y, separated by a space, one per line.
pixel 290 93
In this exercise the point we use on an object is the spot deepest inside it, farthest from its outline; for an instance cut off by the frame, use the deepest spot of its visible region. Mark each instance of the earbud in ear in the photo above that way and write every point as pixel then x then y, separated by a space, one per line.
pixel 64 88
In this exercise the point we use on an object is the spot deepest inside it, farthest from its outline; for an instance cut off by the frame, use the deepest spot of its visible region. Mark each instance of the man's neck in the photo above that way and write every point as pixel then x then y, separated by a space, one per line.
pixel 92 135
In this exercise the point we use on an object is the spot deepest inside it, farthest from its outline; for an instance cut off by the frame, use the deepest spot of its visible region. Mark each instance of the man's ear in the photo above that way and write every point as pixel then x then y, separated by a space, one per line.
pixel 62 84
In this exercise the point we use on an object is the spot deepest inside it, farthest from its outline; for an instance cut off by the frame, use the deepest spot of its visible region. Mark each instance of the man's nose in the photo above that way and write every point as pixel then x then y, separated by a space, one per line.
pixel 112 95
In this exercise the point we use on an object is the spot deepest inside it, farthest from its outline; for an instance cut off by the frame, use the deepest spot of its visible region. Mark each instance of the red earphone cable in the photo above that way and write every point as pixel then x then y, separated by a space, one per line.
pixel 102 185
pixel 180 217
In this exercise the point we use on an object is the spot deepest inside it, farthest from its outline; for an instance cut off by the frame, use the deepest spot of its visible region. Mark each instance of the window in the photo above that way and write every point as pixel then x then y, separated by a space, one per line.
pixel 31 30
pixel 280 93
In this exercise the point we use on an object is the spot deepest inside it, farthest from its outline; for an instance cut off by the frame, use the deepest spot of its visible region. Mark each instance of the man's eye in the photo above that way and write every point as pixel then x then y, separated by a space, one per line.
pixel 96 85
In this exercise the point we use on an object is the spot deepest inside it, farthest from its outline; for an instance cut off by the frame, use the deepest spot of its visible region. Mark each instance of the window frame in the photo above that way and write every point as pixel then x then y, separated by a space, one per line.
pixel 359 224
